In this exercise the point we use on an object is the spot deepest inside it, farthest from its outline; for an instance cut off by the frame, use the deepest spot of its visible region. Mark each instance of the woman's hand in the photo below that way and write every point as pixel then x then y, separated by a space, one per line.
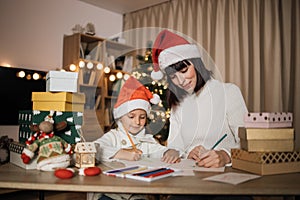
pixel 213 158
pixel 171 156
pixel 196 152
pixel 129 154
pixel 209 158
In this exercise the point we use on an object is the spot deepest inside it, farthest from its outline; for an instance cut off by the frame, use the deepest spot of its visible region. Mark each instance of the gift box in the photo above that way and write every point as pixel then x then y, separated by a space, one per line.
pixel 271 139
pixel 59 101
pixel 31 117
pixel 71 134
pixel 61 81
pixel 27 118
pixel 37 116
pixel 15 149
pixel 266 163
pixel 24 132
pixel 268 120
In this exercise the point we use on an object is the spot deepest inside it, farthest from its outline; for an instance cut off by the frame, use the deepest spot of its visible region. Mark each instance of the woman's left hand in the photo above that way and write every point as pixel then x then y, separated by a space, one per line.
pixel 213 158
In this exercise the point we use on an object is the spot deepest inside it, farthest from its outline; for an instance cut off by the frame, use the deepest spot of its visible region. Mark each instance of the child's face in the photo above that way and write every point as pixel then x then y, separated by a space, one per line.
pixel 134 121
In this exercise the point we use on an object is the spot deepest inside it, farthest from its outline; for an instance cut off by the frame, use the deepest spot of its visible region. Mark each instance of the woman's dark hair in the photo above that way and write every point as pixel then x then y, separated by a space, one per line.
pixel 174 93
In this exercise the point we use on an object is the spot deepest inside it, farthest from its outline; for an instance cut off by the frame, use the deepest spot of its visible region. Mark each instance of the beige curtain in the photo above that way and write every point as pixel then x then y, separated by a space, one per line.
pixel 254 43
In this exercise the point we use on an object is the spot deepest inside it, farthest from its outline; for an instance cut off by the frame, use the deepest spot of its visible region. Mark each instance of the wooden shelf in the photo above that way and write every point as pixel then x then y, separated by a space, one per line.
pixel 93 82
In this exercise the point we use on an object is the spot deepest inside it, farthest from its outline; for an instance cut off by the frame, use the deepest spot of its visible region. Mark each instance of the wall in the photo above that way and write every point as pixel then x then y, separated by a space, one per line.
pixel 32 30
pixel 32 33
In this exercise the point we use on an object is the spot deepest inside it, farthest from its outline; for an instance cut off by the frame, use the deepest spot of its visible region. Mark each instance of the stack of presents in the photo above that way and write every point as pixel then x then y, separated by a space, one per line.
pixel 267 144
pixel 62 103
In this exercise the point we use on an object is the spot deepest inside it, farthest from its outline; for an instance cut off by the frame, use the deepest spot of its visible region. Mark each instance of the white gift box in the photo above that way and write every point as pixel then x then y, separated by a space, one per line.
pixel 15 151
pixel 61 81
pixel 16 159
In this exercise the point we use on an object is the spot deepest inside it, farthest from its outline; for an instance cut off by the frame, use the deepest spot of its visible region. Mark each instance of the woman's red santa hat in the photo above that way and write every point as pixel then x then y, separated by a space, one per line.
pixel 170 48
pixel 134 95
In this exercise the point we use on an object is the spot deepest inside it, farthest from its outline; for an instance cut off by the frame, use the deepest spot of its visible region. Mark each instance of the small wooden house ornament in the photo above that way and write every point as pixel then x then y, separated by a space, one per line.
pixel 85 154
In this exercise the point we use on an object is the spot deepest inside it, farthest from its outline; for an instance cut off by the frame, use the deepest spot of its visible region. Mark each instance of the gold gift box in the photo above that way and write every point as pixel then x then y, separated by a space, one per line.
pixel 58 101
pixel 267 139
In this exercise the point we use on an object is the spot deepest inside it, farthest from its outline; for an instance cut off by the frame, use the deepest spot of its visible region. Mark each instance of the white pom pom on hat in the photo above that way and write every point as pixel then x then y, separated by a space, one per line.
pixel 170 48
pixel 155 99
pixel 133 95
pixel 157 75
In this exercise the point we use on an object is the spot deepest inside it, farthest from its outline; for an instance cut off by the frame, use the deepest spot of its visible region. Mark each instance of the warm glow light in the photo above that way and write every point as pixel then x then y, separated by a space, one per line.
pixel 106 70
pixel 112 78
pixel 126 76
pixel 35 76
pixel 5 65
pixel 89 65
pixel 81 64
pixel 99 66
pixel 28 76
pixel 72 67
pixel 21 74
pixel 119 75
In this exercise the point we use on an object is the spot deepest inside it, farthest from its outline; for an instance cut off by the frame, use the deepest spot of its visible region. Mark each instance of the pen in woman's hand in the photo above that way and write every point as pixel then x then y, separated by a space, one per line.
pixel 219 141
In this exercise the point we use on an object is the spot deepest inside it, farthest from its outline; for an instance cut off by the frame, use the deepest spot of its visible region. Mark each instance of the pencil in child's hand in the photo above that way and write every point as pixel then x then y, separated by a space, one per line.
pixel 131 141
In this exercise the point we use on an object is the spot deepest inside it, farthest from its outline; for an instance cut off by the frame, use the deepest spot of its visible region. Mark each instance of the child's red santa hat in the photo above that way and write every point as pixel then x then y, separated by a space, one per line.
pixel 134 95
pixel 170 48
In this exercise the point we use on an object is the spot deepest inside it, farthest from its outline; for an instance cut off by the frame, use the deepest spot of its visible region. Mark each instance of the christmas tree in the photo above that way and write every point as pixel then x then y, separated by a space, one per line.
pixel 158 123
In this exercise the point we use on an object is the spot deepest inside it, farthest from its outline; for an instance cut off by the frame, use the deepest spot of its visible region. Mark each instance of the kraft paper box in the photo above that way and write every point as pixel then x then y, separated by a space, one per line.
pixel 267 139
pixel 266 163
pixel 268 120
pixel 16 149
pixel 59 101
pixel 60 81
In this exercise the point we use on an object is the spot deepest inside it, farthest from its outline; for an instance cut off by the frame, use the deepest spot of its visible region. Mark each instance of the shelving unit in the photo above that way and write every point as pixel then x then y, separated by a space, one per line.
pixel 95 82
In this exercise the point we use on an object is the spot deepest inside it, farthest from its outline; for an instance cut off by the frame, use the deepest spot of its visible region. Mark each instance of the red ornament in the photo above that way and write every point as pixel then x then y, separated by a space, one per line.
pixel 65 173
pixel 90 171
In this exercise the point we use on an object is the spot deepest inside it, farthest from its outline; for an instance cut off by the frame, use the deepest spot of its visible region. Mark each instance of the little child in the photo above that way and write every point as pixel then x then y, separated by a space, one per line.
pixel 130 113
pixel 129 141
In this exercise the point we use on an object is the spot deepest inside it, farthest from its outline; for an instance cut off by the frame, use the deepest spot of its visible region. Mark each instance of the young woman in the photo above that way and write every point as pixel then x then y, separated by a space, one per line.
pixel 203 109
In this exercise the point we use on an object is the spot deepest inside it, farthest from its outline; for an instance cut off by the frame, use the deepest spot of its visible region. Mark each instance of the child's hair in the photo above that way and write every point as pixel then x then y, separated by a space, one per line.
pixel 174 93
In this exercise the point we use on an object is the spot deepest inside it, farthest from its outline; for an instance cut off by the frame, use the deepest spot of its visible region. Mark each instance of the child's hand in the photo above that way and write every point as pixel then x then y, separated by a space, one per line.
pixel 171 156
pixel 129 154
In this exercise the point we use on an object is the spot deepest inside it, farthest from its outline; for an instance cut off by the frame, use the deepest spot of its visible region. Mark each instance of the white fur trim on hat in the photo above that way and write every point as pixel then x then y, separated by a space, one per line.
pixel 177 53
pixel 130 106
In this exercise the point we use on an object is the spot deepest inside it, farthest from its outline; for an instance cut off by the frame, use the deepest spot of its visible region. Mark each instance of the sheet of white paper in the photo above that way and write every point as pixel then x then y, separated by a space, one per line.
pixel 184 173
pixel 232 178
pixel 189 164
pixel 185 164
